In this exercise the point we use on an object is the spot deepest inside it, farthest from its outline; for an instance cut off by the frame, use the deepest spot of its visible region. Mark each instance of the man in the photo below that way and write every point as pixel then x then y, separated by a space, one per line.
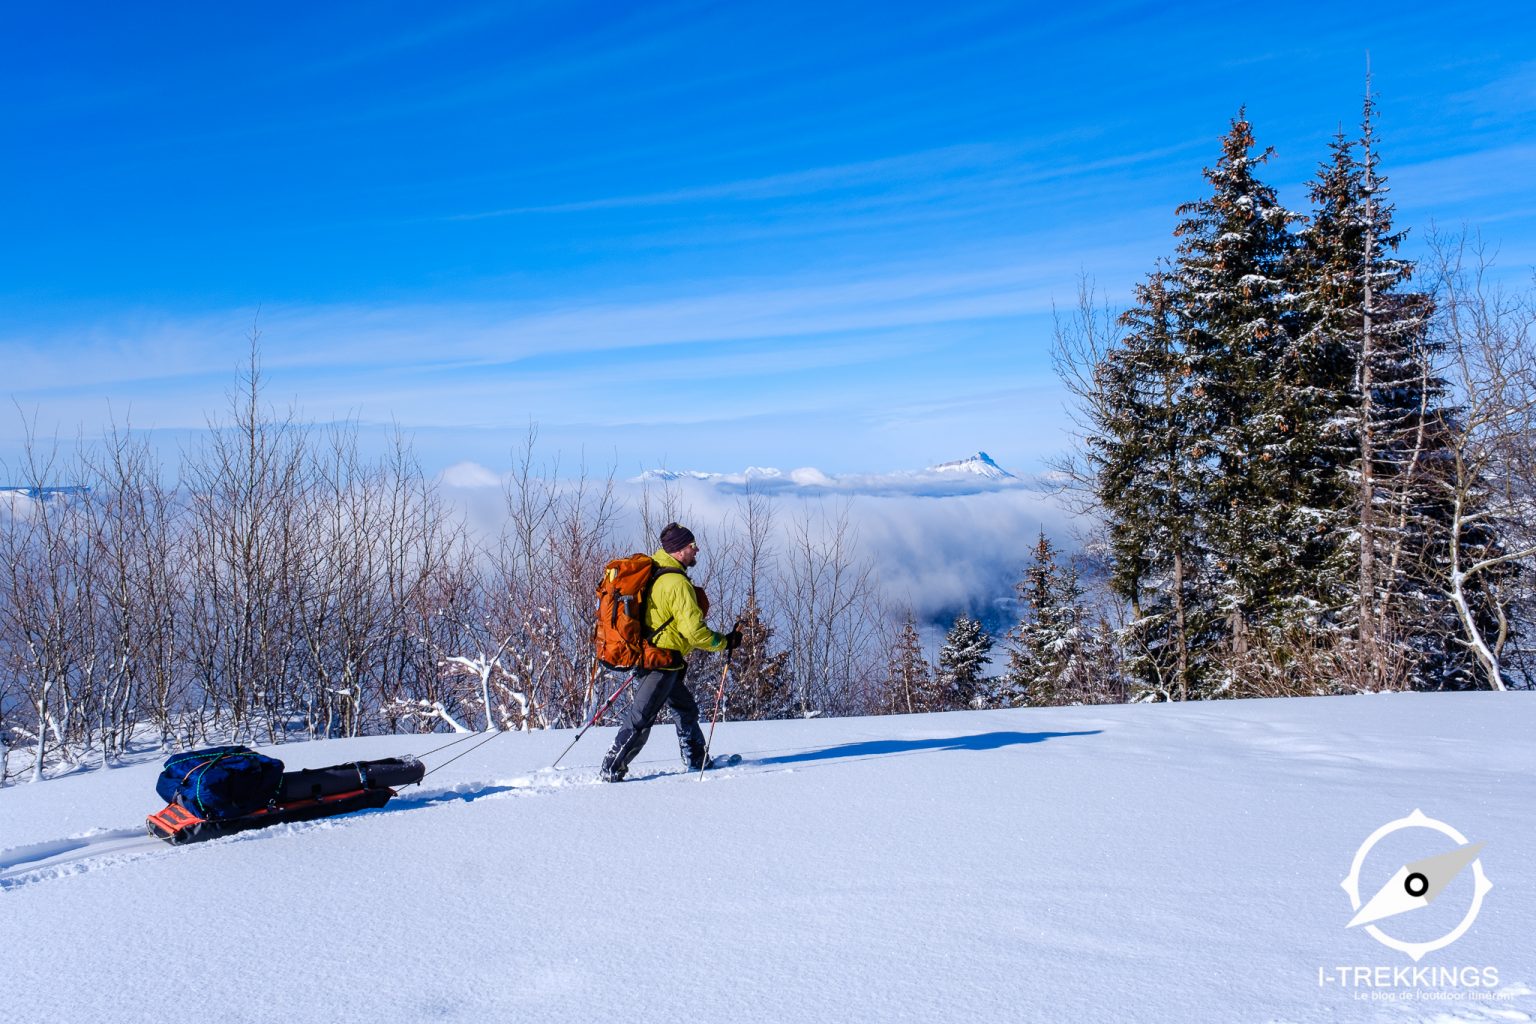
pixel 673 615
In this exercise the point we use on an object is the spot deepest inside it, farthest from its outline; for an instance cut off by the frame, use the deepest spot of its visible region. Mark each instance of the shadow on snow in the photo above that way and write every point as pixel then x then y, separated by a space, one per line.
pixel 406 800
pixel 887 748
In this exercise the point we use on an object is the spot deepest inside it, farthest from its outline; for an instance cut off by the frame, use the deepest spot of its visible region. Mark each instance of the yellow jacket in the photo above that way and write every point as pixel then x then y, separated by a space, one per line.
pixel 672 598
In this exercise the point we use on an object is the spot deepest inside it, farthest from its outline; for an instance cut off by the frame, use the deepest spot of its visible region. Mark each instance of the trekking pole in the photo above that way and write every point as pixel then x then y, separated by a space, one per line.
pixel 719 700
pixel 600 713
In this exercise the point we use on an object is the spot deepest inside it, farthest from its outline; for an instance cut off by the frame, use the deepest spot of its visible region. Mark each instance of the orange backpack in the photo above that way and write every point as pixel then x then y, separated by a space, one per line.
pixel 622 639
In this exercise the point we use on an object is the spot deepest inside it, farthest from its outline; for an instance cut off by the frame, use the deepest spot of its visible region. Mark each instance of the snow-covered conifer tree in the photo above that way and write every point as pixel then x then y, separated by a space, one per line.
pixel 1386 415
pixel 1143 450
pixel 908 676
pixel 1046 661
pixel 1260 466
pixel 759 675
pixel 962 661
pixel 1347 275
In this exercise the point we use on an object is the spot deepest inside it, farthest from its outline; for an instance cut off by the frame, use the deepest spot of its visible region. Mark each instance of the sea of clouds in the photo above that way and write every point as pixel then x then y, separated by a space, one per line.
pixel 942 543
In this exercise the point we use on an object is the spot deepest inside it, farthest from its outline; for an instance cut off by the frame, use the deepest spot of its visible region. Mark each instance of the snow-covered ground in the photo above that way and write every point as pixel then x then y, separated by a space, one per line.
pixel 1154 863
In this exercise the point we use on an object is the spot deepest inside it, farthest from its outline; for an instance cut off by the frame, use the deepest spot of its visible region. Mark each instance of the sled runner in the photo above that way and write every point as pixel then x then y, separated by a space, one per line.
pixel 226 790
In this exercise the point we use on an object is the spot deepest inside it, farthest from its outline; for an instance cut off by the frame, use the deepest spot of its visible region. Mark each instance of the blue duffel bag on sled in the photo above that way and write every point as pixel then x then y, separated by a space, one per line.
pixel 220 782
pixel 224 790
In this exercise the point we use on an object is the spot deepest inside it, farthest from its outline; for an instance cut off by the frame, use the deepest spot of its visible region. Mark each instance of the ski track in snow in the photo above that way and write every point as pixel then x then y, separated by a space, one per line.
pixel 105 848
pixel 60 858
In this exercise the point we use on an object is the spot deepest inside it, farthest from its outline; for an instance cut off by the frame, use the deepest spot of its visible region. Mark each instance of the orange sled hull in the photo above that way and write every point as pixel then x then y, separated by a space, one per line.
pixel 177 825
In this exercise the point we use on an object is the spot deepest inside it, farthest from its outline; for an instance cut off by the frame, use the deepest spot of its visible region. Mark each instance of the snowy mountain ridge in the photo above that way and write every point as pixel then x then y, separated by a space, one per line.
pixel 977 470
pixel 980 464
pixel 668 475
pixel 977 473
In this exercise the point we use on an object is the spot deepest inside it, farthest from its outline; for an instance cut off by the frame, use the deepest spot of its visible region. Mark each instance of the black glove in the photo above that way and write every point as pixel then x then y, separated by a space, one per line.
pixel 733 640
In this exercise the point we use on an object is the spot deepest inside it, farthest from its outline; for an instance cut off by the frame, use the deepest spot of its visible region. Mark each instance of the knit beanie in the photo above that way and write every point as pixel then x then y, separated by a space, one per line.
pixel 674 538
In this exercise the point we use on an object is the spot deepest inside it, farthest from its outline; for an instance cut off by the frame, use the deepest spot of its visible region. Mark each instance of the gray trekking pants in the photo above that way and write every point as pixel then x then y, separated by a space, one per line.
pixel 654 690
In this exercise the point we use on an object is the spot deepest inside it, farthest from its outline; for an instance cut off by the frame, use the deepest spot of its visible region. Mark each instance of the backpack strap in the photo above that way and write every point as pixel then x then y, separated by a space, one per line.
pixel 657 572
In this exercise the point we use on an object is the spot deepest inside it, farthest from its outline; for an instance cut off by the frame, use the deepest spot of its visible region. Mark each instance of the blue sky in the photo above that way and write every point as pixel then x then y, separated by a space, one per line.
pixel 706 236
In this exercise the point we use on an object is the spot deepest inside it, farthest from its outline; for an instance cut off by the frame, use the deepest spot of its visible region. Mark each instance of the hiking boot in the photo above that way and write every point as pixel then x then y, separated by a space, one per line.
pixel 690 743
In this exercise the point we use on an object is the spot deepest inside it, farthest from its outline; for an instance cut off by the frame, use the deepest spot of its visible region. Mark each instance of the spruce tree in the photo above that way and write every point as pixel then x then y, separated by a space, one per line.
pixel 962 660
pixel 1273 450
pixel 1348 279
pixel 1208 463
pixel 1144 457
pixel 909 680
pixel 1104 679
pixel 1391 523
pixel 760 676
pixel 1046 661
pixel 1260 465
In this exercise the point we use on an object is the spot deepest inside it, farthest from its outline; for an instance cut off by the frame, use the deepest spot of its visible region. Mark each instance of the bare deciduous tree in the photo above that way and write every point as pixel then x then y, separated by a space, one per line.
pixel 41 616
pixel 1490 484
pixel 830 617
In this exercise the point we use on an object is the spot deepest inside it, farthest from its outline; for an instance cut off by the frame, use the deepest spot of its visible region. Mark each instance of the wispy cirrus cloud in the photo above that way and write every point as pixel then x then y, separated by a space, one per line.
pixel 148 348
pixel 1443 182
pixel 1507 95
pixel 977 173
pixel 752 365
pixel 945 160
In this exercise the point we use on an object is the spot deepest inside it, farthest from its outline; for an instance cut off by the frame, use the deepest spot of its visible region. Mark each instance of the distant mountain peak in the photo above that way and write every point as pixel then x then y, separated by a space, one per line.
pixel 976 471
pixel 668 475
pixel 980 464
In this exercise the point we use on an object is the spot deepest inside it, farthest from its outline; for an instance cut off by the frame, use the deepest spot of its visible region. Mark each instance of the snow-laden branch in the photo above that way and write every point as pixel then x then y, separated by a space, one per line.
pixel 427 709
